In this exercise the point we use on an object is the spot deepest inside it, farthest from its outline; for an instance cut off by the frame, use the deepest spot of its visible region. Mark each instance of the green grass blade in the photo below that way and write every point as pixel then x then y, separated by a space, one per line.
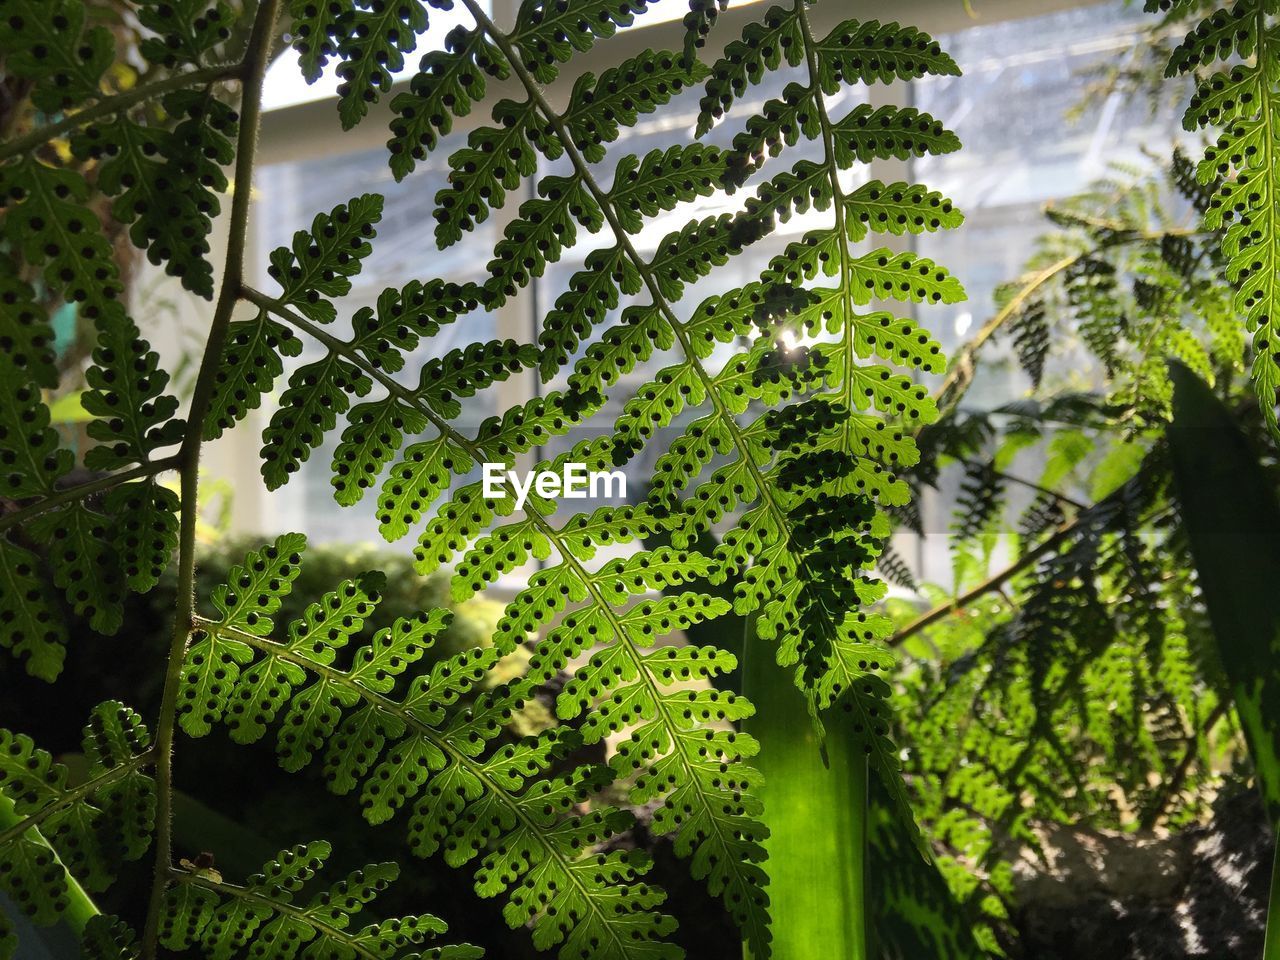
pixel 1232 518
pixel 817 819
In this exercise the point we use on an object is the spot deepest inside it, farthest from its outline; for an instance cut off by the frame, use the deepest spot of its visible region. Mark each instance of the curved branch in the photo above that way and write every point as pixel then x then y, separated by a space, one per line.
pixel 80 792
pixel 994 582
pixel 1029 484
pixel 121 101
pixel 963 365
pixel 82 490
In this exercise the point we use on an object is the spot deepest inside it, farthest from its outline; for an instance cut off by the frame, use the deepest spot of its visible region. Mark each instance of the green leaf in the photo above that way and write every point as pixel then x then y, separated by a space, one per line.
pixel 317 394
pixel 127 395
pixel 26 336
pixel 547 33
pixel 368 39
pixel 1229 507
pixel 77 541
pixel 662 180
pixel 870 52
pixel 33 626
pixel 545 226
pixel 46 41
pixel 55 835
pixel 1241 102
pixel 321 261
pixel 376 431
pixel 494 161
pixel 166 181
pixel 251 362
pixel 145 536
pixel 448 83
pixel 189 30
pixel 262 917
pixel 641 84
pixel 747 61
pixel 46 219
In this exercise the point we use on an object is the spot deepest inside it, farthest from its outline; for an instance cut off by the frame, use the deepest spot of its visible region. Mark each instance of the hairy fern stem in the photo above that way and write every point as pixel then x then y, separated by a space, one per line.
pixel 252 72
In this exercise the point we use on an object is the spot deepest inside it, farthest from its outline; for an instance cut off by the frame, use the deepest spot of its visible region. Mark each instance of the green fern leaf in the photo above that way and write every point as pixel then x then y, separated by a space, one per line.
pixel 47 221
pixel 251 362
pixel 642 330
pixel 76 538
pixel 462 373
pixel 422 474
pixel 592 293
pixel 538 236
pixel 899 208
pixel 146 531
pixel 533 423
pixel 34 629
pixel 746 61
pixel 317 394
pixel 866 133
pixel 598 108
pixel 169 199
pixel 1241 101
pixel 321 261
pixel 494 161
pixel 188 31
pixel 548 33
pixel 376 431
pixel 477 798
pixel 369 41
pixel 662 180
pixel 264 918
pixel 48 43
pixel 126 394
pixel 26 336
pixel 90 827
pixel 448 83
pixel 869 51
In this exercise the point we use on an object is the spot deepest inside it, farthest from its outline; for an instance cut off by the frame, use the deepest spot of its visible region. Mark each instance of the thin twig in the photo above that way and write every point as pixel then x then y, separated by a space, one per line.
pixel 963 363
pixel 121 101
pixel 994 582
pixel 82 490
pixel 1029 484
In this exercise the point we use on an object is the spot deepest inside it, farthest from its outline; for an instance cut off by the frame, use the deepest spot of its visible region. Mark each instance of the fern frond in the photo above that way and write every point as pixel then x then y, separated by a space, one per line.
pixel 321 261
pixel 265 916
pixel 78 538
pixel 68 830
pixel 794 483
pixel 747 60
pixel 1240 99
pixel 369 41
pixel 448 83
pixel 468 795
pixel 169 200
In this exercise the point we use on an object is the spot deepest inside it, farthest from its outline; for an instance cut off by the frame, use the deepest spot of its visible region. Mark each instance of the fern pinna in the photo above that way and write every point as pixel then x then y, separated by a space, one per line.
pixel 1231 53
pixel 792 451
